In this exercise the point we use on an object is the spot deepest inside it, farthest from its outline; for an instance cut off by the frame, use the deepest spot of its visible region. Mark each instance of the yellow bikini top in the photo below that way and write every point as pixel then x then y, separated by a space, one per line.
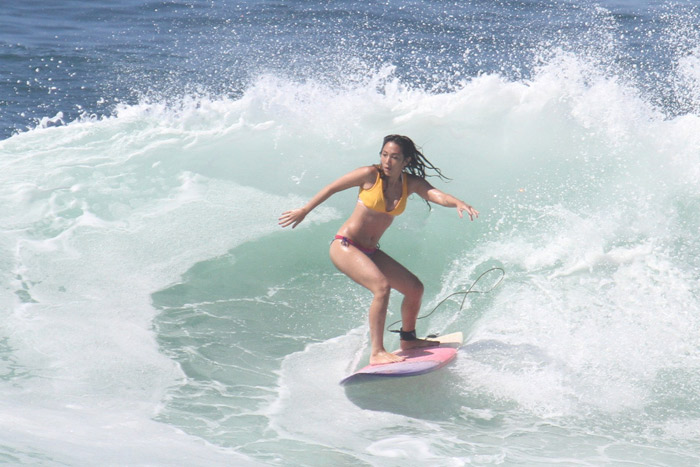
pixel 374 197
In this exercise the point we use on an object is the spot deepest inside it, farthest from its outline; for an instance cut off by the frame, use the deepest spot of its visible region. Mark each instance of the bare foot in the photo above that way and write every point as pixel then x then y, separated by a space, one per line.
pixel 383 357
pixel 418 344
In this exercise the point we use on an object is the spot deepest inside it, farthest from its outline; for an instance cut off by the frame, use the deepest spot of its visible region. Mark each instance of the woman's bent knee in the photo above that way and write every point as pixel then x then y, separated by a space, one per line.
pixel 381 289
pixel 416 290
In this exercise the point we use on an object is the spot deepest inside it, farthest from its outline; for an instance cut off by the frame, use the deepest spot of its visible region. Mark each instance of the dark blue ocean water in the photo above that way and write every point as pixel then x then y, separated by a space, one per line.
pixel 73 58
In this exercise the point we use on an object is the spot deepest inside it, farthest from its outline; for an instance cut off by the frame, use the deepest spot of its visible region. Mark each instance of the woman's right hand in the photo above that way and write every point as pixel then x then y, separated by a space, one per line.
pixel 292 217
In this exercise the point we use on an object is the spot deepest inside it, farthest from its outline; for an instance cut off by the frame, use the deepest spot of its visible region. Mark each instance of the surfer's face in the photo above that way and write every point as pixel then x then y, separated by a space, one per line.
pixel 392 159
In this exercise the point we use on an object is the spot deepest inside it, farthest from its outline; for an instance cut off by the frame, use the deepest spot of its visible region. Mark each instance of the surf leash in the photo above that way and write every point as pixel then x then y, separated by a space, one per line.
pixel 461 292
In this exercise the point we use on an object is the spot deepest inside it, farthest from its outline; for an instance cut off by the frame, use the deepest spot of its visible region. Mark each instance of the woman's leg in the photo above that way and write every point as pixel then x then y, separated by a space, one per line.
pixel 360 268
pixel 411 287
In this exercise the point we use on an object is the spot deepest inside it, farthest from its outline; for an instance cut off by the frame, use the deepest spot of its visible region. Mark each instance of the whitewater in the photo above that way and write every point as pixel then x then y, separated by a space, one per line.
pixel 154 313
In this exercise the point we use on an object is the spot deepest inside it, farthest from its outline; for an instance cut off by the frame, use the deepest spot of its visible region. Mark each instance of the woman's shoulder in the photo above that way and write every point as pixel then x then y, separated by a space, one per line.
pixel 370 175
pixel 362 176
pixel 368 171
pixel 365 171
pixel 414 182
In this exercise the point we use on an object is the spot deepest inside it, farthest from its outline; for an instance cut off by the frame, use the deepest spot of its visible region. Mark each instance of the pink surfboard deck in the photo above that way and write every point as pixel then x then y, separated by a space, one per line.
pixel 418 361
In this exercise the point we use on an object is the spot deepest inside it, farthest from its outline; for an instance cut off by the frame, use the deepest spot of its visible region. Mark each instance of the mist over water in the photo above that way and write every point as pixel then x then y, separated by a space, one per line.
pixel 152 303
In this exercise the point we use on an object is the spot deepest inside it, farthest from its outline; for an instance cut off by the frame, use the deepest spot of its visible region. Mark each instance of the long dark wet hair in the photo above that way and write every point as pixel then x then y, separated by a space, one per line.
pixel 417 162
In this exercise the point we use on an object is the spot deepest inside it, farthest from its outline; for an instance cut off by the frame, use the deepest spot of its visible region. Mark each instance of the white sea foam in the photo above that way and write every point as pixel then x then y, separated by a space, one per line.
pixel 98 216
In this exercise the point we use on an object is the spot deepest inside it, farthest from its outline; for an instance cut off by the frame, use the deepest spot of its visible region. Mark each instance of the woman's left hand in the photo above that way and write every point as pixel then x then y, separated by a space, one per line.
pixel 473 213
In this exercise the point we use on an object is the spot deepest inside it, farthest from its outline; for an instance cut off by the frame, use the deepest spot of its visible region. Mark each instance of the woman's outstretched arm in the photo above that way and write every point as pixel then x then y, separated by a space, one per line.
pixel 428 192
pixel 355 178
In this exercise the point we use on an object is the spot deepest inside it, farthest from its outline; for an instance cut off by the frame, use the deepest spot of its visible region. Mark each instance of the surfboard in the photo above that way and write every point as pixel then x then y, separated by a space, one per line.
pixel 418 361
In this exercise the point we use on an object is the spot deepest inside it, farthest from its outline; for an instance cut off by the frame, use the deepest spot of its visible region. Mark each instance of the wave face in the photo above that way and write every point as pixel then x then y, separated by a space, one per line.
pixel 154 311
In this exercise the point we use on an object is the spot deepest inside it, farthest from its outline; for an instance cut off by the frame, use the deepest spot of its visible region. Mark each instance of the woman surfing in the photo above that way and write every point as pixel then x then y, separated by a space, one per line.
pixel 384 189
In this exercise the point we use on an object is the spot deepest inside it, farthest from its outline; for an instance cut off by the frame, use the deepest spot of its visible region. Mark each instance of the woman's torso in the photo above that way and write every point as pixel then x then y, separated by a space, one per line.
pixel 366 226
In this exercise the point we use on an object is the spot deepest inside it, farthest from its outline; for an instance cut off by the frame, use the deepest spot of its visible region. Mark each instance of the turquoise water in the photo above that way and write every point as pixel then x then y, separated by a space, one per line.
pixel 154 312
